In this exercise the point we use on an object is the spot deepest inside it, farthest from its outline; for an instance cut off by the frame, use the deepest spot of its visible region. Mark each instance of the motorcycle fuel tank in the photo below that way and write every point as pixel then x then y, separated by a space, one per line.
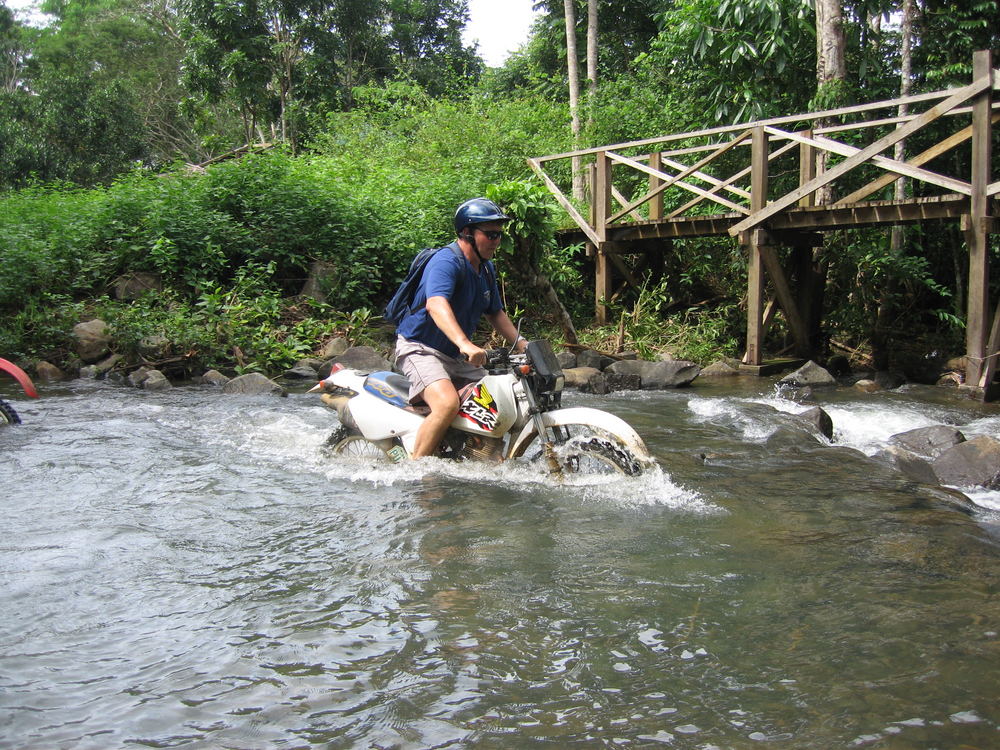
pixel 489 409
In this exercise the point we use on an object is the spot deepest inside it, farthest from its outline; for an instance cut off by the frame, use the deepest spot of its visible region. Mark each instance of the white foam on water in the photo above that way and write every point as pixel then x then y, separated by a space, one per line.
pixel 653 487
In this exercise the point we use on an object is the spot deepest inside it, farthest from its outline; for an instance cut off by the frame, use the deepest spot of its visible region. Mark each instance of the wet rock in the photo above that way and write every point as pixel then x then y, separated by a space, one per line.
pixel 48 372
pixel 590 358
pixel 889 380
pixel 953 379
pixel 820 420
pixel 299 373
pixel 974 463
pixel 566 360
pixel 867 386
pixel 253 384
pixel 314 362
pixel 362 358
pixel 92 340
pixel 622 381
pixel 577 377
pixel 719 370
pixel 156 381
pixel 334 348
pixel 658 375
pixel 213 377
pixel 908 464
pixel 810 374
pixel 102 368
pixel 928 442
pixel 138 376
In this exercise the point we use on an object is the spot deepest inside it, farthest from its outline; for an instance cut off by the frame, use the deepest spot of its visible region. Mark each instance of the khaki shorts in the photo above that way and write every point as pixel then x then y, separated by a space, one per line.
pixel 423 365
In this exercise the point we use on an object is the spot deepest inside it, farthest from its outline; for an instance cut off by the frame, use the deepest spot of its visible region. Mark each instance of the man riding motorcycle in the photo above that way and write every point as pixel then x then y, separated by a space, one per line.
pixel 434 347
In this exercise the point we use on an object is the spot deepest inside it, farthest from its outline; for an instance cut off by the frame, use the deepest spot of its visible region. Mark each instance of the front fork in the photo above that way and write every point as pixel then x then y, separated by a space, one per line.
pixel 548 446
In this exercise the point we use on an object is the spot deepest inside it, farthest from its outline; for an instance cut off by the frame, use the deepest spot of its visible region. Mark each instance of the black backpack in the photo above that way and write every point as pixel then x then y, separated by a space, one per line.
pixel 401 303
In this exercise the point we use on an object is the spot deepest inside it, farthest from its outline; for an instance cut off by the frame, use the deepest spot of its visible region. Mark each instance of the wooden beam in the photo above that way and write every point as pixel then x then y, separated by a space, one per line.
pixel 922 158
pixel 755 269
pixel 564 202
pixel 725 184
pixel 963 94
pixel 655 202
pixel 623 201
pixel 900 168
pixel 670 180
pixel 785 120
pixel 979 366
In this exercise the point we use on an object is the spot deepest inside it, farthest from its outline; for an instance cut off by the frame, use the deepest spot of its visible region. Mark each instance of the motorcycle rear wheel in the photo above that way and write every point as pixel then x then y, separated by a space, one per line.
pixel 352 444
pixel 583 449
pixel 7 414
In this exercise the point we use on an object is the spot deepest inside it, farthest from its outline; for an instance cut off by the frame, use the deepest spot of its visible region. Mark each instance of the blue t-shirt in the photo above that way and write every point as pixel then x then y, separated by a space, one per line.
pixel 449 274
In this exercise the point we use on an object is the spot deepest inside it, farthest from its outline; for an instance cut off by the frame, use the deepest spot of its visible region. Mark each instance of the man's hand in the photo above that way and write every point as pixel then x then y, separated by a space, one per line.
pixel 474 354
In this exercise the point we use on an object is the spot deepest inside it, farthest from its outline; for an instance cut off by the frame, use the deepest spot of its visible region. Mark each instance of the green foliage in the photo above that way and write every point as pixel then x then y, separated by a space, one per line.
pixel 652 327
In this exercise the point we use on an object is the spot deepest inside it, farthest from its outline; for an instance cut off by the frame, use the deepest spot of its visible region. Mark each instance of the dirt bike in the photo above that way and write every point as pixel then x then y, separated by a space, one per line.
pixel 7 413
pixel 513 412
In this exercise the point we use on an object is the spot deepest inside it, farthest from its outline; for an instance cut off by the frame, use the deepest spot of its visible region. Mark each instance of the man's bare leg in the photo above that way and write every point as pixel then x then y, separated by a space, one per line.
pixel 442 398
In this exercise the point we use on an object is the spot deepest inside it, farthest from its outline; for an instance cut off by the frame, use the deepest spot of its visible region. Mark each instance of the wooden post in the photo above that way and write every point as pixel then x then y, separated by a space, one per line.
pixel 807 168
pixel 656 202
pixel 603 280
pixel 810 269
pixel 976 235
pixel 755 268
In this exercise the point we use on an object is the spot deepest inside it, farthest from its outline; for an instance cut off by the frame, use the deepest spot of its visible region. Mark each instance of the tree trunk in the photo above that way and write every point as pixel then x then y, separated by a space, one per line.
pixel 573 72
pixel 592 29
pixel 531 277
pixel 881 334
pixel 831 66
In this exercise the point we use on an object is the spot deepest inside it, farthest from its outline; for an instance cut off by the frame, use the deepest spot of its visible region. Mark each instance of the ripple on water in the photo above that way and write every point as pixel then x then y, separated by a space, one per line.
pixel 188 570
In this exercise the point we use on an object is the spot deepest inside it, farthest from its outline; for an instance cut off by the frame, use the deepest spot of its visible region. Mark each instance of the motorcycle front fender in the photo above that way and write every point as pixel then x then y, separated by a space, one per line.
pixel 582 415
pixel 20 376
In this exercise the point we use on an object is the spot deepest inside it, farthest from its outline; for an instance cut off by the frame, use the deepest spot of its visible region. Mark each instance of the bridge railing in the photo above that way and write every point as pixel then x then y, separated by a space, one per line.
pixel 784 180
pixel 837 155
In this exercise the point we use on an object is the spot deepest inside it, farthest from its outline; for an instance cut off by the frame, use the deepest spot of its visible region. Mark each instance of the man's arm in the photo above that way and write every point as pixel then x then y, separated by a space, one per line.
pixel 503 325
pixel 439 308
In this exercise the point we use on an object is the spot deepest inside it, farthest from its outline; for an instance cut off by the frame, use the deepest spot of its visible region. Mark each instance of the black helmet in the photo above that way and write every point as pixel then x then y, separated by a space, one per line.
pixel 478 211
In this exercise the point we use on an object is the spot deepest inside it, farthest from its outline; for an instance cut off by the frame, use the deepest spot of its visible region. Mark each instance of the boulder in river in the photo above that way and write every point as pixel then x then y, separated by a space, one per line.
pixel 591 358
pixel 810 374
pixel 156 381
pixel 908 464
pixel 253 384
pixel 675 373
pixel 48 372
pixel 93 342
pixel 928 442
pixel 577 377
pixel 720 369
pixel 973 463
pixel 820 420
pixel 213 377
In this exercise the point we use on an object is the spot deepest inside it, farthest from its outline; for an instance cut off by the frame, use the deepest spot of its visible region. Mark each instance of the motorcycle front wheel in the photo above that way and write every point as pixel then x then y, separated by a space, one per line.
pixel 352 444
pixel 8 415
pixel 585 449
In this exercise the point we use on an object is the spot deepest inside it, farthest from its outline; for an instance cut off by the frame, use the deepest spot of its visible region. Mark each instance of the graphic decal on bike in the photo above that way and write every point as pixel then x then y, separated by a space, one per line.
pixel 480 409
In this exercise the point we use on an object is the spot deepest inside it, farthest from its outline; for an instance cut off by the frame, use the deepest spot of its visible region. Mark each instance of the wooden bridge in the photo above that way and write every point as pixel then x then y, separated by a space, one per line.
pixel 716 183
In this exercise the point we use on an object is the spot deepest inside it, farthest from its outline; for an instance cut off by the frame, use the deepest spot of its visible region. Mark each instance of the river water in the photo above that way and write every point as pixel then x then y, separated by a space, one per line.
pixel 186 570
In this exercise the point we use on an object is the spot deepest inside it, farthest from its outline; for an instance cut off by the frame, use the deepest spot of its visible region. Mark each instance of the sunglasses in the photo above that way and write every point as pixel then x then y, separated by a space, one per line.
pixel 491 234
